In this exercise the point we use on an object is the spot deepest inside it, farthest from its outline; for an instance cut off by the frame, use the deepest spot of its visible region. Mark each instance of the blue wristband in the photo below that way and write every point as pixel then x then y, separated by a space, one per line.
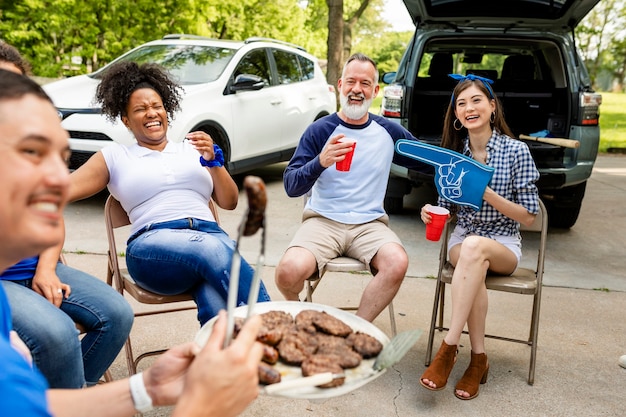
pixel 218 160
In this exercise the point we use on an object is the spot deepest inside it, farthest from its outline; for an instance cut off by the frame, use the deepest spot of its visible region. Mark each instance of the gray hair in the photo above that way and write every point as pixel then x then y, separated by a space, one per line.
pixel 363 58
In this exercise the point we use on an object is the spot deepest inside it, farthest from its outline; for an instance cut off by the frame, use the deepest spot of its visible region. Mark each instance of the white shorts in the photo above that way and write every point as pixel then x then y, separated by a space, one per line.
pixel 513 243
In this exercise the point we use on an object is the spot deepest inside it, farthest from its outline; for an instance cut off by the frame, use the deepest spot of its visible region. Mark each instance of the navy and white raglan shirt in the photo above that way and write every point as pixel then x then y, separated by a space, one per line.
pixel 356 196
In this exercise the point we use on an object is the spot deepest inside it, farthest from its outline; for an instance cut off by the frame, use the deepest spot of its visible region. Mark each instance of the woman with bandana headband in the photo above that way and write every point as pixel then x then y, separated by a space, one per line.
pixel 483 240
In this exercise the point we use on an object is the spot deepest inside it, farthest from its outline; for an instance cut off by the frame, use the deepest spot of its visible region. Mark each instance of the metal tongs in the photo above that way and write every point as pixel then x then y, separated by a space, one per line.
pixel 253 220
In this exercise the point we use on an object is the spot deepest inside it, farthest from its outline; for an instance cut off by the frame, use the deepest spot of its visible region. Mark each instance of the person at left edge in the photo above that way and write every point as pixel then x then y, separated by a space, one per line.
pixel 48 298
pixel 211 381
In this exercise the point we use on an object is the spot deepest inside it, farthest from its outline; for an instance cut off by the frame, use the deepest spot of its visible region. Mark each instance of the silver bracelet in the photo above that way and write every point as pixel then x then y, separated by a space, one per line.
pixel 138 392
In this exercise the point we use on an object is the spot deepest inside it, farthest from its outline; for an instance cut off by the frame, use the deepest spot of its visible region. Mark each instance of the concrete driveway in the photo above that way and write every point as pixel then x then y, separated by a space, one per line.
pixel 582 329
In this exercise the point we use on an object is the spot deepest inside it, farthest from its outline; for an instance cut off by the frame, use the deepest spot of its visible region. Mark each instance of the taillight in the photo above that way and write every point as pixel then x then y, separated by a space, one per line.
pixel 590 109
pixel 392 101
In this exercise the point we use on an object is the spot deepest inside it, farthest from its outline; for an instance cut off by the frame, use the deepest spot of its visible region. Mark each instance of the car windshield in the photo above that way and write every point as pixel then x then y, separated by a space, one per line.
pixel 189 64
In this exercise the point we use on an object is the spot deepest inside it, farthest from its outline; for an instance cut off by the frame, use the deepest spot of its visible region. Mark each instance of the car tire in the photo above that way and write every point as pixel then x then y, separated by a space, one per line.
pixel 564 205
pixel 393 205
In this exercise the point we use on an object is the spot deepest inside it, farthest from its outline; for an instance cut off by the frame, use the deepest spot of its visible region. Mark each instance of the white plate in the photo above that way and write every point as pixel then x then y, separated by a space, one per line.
pixel 355 378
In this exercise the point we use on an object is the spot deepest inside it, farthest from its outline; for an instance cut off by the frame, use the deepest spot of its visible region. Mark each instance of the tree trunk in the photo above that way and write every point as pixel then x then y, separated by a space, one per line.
pixel 335 42
pixel 348 27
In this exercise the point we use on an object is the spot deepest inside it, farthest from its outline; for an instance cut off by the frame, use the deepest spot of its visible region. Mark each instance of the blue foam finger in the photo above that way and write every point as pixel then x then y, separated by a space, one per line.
pixel 458 178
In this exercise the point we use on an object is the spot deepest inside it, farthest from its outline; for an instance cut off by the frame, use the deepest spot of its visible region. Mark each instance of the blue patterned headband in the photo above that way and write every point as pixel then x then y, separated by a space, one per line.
pixel 473 77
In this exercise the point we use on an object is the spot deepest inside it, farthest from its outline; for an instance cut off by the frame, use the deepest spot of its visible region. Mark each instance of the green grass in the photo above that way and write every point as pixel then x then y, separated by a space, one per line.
pixel 612 119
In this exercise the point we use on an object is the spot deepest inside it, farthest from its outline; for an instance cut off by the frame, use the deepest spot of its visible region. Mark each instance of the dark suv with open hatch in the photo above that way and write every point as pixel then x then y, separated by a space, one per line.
pixel 527 47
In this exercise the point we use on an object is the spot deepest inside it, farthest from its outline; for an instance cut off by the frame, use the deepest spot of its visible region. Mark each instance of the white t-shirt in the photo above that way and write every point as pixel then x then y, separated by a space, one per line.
pixel 356 196
pixel 155 186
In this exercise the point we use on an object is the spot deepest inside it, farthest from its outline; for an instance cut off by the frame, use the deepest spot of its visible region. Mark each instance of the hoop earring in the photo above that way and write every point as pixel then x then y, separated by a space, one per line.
pixel 493 117
pixel 454 124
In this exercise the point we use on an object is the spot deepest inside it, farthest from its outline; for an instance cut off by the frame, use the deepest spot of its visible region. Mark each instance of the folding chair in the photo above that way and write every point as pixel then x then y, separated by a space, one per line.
pixel 344 264
pixel 115 217
pixel 523 281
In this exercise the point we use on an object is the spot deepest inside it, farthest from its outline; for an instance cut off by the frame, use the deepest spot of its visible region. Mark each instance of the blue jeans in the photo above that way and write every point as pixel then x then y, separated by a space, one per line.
pixel 50 332
pixel 188 255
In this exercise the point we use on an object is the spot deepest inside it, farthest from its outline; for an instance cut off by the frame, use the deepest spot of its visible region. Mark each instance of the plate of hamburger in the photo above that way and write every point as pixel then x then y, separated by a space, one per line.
pixel 311 351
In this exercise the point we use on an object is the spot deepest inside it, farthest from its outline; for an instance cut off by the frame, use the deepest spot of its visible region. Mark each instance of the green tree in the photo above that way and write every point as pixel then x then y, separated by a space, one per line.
pixel 385 48
pixel 347 22
pixel 53 34
pixel 600 40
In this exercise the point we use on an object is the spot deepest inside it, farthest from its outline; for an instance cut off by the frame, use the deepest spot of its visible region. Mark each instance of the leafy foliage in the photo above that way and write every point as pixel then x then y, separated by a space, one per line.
pixel 69 37
pixel 601 42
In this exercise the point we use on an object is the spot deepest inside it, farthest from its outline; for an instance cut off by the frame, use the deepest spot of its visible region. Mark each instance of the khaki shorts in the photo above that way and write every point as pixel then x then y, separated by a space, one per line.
pixel 327 239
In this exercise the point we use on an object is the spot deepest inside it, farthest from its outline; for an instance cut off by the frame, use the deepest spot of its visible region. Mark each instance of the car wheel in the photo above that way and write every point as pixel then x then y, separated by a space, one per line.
pixel 393 205
pixel 564 205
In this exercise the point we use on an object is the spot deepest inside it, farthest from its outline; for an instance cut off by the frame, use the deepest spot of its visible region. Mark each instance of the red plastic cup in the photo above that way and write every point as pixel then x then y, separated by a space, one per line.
pixel 439 216
pixel 345 164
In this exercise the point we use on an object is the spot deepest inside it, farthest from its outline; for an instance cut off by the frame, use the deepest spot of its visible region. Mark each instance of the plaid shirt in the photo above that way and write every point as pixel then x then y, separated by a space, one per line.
pixel 514 179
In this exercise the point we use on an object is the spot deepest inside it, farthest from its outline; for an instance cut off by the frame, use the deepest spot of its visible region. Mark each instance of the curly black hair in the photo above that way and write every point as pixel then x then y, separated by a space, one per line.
pixel 120 80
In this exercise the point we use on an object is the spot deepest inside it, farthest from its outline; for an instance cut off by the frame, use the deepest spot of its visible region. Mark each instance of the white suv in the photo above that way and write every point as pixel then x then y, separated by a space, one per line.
pixel 255 98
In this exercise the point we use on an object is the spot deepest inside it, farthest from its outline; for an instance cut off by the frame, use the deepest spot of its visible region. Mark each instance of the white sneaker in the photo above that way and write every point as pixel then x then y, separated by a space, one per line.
pixel 622 361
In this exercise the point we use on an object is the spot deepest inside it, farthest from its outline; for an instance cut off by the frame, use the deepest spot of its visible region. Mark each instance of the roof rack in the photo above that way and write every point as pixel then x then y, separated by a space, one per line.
pixel 261 39
pixel 186 36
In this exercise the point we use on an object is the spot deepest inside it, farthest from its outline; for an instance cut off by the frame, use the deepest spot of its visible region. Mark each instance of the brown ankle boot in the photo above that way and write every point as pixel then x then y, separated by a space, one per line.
pixel 440 368
pixel 475 373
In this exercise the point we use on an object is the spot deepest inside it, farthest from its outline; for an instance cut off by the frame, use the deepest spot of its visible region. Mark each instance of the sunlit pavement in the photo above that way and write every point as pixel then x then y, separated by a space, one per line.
pixel 582 328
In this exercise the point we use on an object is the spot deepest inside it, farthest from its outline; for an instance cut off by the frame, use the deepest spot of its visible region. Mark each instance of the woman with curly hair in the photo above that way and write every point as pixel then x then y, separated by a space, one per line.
pixel 175 245
pixel 483 240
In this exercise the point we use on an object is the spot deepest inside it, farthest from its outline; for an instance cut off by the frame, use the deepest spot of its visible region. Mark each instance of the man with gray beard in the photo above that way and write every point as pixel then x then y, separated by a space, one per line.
pixel 344 214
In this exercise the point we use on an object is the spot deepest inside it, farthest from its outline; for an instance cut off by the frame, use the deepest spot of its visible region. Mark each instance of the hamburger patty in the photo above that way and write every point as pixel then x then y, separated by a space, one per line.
pixel 317 364
pixel 296 346
pixel 347 357
pixel 366 345
pixel 304 320
pixel 326 323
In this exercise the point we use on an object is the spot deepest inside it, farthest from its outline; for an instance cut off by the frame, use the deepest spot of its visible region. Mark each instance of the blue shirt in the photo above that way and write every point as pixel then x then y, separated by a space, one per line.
pixel 514 179
pixel 356 196
pixel 24 269
pixel 22 388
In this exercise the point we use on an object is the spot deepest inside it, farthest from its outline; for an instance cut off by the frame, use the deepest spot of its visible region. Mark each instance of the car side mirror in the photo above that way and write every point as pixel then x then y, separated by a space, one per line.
pixel 245 82
pixel 389 77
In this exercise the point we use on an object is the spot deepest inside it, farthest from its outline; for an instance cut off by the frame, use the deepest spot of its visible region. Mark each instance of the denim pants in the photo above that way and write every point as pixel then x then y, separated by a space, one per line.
pixel 188 255
pixel 50 332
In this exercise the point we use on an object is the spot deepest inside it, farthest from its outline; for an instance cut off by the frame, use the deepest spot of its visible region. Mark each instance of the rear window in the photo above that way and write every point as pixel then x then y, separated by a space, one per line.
pixel 287 67
pixel 308 68
pixel 495 59
pixel 550 9
pixel 292 68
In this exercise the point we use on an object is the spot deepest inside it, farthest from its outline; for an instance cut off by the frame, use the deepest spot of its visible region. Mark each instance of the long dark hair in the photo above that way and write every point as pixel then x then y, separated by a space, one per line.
pixel 452 138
